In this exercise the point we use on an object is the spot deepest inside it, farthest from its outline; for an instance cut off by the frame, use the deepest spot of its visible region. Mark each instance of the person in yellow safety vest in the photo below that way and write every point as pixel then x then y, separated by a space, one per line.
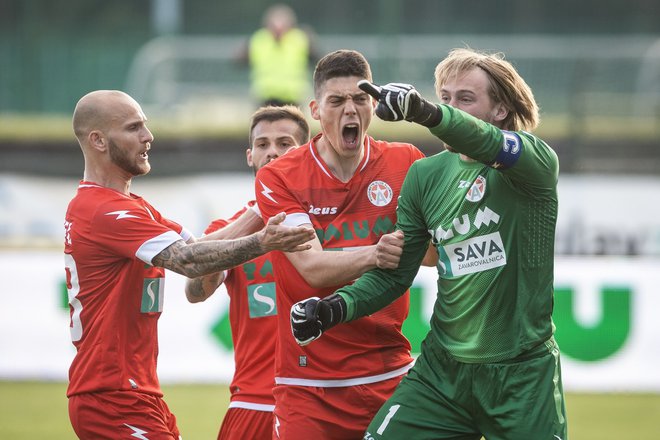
pixel 279 56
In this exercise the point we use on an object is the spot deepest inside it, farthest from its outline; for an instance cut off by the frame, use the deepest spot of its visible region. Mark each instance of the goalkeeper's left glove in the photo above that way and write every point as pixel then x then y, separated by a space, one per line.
pixel 398 101
pixel 312 317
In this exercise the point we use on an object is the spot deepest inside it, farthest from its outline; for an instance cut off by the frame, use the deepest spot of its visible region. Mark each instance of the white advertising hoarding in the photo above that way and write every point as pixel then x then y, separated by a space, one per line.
pixel 605 312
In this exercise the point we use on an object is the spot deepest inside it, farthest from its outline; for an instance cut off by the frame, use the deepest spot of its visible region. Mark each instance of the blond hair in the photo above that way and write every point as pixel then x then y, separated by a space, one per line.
pixel 506 85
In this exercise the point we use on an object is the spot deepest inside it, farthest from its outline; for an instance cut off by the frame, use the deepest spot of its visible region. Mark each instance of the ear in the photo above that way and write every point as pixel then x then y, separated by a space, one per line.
pixel 248 156
pixel 97 140
pixel 500 112
pixel 314 109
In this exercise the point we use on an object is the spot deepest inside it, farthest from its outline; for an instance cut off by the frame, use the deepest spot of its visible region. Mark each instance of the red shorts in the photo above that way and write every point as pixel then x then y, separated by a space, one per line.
pixel 339 413
pixel 121 414
pixel 246 424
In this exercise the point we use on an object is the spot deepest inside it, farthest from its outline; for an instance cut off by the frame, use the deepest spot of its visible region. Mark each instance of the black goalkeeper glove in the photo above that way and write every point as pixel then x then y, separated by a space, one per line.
pixel 397 102
pixel 312 317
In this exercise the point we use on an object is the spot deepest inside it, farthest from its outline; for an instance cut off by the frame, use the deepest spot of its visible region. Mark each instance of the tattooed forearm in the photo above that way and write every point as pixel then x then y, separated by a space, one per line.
pixel 195 289
pixel 203 258
pixel 200 288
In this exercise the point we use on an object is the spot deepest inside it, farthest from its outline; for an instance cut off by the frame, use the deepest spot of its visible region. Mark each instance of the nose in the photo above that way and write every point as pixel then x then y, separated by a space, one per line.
pixel 147 136
pixel 350 107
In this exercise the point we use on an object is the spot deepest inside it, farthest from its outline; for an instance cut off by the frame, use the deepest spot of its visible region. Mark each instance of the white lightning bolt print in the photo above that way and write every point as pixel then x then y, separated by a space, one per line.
pixel 277 427
pixel 137 432
pixel 122 214
pixel 266 192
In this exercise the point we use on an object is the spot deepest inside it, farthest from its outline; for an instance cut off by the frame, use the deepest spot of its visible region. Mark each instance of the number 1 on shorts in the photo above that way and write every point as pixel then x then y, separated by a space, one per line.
pixel 390 414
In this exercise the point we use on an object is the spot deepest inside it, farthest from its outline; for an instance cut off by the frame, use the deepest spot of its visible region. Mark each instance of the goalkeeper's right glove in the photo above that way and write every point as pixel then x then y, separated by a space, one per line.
pixel 312 317
pixel 398 101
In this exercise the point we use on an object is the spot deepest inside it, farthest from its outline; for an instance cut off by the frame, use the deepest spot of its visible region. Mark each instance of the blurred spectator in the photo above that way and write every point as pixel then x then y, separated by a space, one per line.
pixel 279 55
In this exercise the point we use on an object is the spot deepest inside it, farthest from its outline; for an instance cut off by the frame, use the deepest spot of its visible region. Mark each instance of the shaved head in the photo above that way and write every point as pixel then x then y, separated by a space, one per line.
pixel 111 129
pixel 97 110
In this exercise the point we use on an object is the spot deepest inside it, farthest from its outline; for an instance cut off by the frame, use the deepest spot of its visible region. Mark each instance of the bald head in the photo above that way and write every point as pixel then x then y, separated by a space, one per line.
pixel 98 110
pixel 114 138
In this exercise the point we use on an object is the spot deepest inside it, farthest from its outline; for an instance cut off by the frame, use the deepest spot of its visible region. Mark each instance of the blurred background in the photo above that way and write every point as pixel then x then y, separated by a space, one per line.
pixel 594 67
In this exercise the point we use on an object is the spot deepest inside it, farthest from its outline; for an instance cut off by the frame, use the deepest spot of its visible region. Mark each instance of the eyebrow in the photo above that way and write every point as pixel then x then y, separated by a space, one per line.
pixel 459 91
pixel 345 95
pixel 134 122
pixel 288 136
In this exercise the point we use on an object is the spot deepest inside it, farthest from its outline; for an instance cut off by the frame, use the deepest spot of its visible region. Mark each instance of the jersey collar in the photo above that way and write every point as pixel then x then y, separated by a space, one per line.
pixel 317 157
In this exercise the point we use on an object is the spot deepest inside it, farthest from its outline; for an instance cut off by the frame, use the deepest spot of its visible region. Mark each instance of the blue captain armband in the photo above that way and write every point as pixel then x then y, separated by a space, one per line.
pixel 509 153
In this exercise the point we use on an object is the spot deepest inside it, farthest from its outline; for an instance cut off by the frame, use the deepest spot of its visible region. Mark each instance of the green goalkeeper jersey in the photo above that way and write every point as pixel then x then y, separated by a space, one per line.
pixel 492 222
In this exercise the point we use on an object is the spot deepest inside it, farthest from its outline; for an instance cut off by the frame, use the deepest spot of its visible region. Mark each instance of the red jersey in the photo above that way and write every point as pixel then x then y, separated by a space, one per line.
pixel 346 216
pixel 115 294
pixel 252 317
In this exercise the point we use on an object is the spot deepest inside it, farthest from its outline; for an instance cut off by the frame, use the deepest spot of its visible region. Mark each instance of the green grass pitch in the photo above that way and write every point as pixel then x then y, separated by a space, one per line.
pixel 38 410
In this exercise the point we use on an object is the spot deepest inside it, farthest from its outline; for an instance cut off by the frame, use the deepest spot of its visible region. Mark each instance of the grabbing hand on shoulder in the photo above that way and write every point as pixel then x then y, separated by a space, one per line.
pixel 399 101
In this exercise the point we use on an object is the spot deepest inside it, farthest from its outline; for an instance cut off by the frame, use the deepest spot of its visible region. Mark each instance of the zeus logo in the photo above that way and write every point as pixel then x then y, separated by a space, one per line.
pixel 322 211
pixel 267 192
pixel 122 214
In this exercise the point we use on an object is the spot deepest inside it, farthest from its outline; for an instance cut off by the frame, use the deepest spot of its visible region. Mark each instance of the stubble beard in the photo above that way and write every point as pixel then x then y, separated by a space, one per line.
pixel 121 159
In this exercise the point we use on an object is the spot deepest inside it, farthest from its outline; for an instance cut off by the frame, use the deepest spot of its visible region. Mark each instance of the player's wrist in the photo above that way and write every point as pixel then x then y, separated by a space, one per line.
pixel 332 311
pixel 255 209
pixel 426 114
pixel 260 238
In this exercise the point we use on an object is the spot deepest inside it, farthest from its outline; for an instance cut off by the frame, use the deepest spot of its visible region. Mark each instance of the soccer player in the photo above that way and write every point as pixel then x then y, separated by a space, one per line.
pixel 489 365
pixel 116 246
pixel 251 288
pixel 345 184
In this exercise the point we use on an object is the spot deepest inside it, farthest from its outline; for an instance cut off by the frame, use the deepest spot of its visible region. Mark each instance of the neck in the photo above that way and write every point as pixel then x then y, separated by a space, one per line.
pixel 342 167
pixel 107 179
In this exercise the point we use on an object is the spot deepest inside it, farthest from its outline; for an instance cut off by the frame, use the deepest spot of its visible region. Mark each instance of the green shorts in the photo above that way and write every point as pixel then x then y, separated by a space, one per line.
pixel 441 398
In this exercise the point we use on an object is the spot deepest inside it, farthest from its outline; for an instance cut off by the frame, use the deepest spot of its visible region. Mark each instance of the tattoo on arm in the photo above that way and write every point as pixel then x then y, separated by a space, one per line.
pixel 202 258
pixel 195 288
pixel 200 288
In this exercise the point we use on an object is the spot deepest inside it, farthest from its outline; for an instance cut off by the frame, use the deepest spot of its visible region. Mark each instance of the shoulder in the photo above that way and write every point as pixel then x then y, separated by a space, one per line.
pixel 531 139
pixel 298 34
pixel 292 162
pixel 118 207
pixel 440 159
pixel 534 153
pixel 260 34
pixel 402 149
pixel 104 200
